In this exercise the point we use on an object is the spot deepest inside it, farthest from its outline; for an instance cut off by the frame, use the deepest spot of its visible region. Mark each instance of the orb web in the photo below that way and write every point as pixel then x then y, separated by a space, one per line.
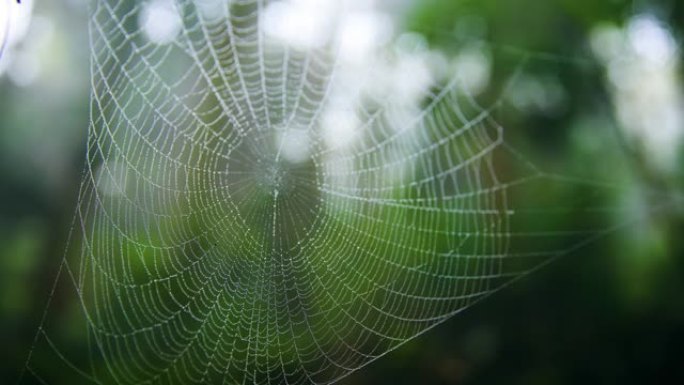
pixel 237 223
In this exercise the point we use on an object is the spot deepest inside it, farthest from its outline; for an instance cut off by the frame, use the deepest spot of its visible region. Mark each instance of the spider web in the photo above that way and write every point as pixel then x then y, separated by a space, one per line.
pixel 221 236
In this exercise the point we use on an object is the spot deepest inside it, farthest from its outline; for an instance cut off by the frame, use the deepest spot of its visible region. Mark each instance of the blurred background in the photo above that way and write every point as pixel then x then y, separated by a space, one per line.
pixel 589 89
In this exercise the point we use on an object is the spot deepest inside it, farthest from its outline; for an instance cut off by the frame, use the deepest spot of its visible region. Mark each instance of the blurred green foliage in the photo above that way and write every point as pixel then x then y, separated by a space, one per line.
pixel 609 312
